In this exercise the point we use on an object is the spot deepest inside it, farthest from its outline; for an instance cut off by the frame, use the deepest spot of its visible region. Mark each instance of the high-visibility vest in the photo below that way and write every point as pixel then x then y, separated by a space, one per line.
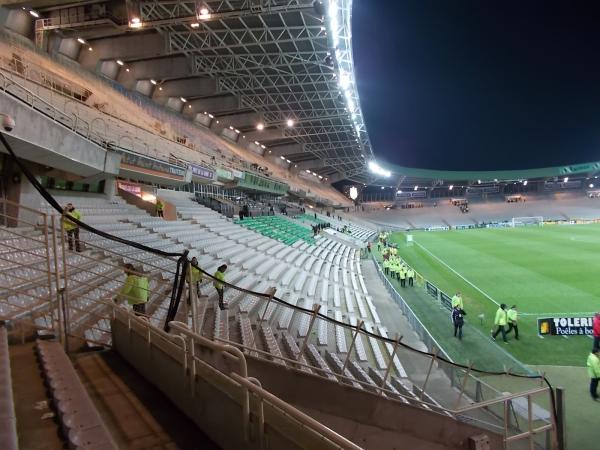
pixel 135 289
pixel 220 276
pixel 67 223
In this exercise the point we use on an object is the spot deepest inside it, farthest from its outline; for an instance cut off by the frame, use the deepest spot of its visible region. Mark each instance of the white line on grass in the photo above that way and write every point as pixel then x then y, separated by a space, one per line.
pixel 544 314
pixel 458 274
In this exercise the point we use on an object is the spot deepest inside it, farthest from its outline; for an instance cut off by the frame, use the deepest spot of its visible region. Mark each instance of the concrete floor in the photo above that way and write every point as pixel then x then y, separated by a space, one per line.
pixel 137 414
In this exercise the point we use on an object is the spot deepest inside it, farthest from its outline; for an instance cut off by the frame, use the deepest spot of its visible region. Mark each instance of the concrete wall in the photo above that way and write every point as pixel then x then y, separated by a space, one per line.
pixel 370 421
pixel 39 139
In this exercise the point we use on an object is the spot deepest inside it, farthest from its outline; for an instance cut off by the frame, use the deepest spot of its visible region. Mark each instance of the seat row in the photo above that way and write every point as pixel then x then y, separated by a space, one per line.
pixel 80 420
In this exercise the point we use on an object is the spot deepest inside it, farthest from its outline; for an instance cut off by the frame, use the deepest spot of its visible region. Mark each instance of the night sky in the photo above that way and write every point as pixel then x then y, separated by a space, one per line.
pixel 479 85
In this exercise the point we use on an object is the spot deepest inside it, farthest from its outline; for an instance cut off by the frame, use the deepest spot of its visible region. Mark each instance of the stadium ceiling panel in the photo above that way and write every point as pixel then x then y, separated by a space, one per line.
pixel 289 61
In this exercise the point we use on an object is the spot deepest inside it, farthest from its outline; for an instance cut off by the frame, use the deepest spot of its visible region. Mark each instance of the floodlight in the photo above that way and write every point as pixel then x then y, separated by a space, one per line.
pixel 566 179
pixel 153 82
pixel 127 69
pixel 33 13
pixel 344 80
pixel 378 170
pixel 80 40
pixel 263 146
pixel 256 143
pixel 353 193
pixel 307 171
pixel 382 187
pixel 451 187
pixel 591 185
pixel 135 22
pixel 525 183
pixel 478 181
pixel 290 123
pixel 260 126
pixel 182 99
pixel 119 62
pixel 399 192
pixel 90 49
pixel 416 187
pixel 282 157
pixel 194 24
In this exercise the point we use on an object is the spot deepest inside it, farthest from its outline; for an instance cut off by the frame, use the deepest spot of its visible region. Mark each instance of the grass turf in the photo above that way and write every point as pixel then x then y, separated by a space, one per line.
pixel 550 270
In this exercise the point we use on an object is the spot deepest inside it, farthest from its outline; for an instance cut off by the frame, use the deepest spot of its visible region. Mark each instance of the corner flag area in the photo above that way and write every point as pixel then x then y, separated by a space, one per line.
pixel 548 272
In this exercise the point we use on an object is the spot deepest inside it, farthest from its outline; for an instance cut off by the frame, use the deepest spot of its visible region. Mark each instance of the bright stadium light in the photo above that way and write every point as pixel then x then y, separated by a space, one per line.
pixel 378 170
pixel 382 187
pixel 260 126
pixel 566 179
pixel 416 188
pixel 398 192
pixel 290 123
pixel 525 183
pixel 591 185
pixel 344 80
pixel 119 62
pixel 353 193
pixel 33 13
pixel 478 181
pixel 451 187
pixel 153 82
pixel 81 40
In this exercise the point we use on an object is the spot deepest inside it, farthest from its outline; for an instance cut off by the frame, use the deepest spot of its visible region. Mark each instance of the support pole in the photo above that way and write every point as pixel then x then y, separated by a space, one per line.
pixel 193 300
pixel 61 336
pixel 390 364
pixel 49 273
pixel 316 309
pixel 354 337
pixel 431 363
pixel 561 429
pixel 463 385
pixel 63 289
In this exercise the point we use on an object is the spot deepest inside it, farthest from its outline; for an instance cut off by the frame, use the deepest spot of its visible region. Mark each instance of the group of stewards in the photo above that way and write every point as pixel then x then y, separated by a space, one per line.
pixel 382 240
pixel 135 290
pixel 593 361
pixel 396 268
pixel 506 318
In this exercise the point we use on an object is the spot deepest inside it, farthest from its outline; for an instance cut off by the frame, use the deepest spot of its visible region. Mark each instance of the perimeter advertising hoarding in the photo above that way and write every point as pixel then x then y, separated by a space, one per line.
pixel 446 301
pixel 431 289
pixel 565 326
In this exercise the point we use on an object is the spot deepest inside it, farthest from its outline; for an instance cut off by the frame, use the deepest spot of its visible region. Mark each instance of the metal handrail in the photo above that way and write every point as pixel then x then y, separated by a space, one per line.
pixel 244 380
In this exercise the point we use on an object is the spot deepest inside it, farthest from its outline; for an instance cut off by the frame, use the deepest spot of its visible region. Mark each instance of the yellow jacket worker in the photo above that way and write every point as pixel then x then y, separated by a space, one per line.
pixel 219 277
pixel 135 290
pixel 593 364
pixel 71 228
pixel 500 322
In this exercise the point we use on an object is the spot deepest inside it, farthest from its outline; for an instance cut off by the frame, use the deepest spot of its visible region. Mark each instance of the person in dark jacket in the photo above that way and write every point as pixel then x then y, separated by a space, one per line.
pixel 458 320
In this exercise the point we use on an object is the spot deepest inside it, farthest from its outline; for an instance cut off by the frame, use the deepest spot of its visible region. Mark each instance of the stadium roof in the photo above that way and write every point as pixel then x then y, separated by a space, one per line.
pixel 279 71
pixel 405 177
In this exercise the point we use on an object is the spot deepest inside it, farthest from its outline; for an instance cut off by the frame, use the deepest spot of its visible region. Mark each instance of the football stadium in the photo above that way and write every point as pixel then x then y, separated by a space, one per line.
pixel 201 247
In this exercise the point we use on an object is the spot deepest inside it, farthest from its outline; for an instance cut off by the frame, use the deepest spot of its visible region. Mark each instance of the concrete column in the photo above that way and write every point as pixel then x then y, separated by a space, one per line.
pixel 144 87
pixel 110 188
pixel 69 47
pixel 18 20
pixel 109 69
pixel 175 104
pixel 29 197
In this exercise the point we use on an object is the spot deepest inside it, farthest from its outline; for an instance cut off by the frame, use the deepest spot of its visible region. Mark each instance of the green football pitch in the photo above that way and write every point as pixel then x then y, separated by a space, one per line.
pixel 546 271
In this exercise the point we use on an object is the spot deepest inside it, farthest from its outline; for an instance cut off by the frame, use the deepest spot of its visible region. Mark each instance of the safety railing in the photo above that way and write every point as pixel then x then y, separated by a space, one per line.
pixel 237 384
pixel 311 325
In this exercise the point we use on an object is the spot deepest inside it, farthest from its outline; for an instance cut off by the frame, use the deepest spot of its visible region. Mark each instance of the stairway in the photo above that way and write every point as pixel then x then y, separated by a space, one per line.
pixel 135 413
